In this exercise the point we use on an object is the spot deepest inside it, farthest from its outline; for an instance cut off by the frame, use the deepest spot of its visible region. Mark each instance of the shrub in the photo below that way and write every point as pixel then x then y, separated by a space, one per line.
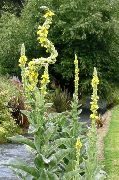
pixel 10 40
pixel 8 126
pixel 114 99
pixel 61 99
pixel 10 6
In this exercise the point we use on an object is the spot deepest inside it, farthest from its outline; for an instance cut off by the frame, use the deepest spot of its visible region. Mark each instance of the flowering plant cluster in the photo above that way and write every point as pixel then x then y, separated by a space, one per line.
pixel 30 71
pixel 58 139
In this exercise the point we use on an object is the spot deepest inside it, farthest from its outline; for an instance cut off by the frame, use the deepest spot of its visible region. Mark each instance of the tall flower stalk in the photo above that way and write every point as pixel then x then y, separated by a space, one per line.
pixel 78 147
pixel 94 98
pixel 92 161
pixel 76 81
pixel 75 104
pixel 31 69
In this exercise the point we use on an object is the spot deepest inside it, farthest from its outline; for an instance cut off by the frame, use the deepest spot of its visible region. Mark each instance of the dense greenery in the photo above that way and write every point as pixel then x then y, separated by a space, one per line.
pixel 12 6
pixel 88 28
pixel 8 126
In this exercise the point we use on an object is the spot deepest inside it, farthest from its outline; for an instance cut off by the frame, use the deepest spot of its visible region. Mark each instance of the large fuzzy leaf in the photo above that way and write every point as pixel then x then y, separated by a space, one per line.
pixel 24 167
pixel 46 175
pixel 56 158
pixel 52 176
pixel 72 174
pixel 51 131
pixel 65 141
pixel 39 139
pixel 41 161
pixel 53 160
pixel 23 140
pixel 57 143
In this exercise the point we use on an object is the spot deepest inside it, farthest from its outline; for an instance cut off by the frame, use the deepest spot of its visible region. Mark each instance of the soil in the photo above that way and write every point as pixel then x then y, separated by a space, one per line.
pixel 102 133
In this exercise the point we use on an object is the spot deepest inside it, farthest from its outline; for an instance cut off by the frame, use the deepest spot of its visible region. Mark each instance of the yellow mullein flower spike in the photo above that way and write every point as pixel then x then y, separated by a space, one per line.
pixel 78 144
pixel 94 97
pixel 49 14
pixel 76 75
pixel 30 72
pixel 23 50
pixel 43 32
pixel 22 60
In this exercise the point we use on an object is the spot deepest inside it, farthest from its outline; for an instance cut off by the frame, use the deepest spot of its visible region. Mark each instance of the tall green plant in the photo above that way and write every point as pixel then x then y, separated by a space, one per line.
pixel 54 137
pixel 59 142
pixel 48 156
pixel 93 170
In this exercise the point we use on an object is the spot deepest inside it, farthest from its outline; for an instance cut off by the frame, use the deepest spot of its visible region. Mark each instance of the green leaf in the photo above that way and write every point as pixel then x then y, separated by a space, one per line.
pixel 43 175
pixel 46 175
pixel 58 142
pixel 39 139
pixel 23 140
pixel 41 161
pixel 24 167
pixel 71 174
pixel 56 158
pixel 51 131
pixel 52 176
pixel 65 141
pixel 71 165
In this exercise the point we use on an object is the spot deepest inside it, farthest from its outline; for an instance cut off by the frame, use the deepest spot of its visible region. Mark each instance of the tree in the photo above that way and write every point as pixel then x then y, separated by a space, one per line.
pixel 12 6
pixel 87 28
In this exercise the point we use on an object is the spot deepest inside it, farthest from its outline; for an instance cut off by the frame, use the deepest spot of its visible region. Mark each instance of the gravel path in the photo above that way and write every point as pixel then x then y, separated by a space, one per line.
pixel 8 151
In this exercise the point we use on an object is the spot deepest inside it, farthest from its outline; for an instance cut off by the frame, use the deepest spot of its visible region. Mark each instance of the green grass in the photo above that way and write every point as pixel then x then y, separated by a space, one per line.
pixel 111 150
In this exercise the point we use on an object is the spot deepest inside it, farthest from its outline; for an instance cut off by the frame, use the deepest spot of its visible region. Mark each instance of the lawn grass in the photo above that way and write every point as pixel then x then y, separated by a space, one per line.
pixel 111 150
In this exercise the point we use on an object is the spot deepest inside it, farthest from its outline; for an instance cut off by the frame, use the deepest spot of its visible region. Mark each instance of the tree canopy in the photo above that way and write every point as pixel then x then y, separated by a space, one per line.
pixel 87 28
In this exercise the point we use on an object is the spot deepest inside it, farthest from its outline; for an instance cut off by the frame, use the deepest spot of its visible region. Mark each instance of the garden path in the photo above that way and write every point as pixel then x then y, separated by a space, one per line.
pixel 8 151
pixel 102 132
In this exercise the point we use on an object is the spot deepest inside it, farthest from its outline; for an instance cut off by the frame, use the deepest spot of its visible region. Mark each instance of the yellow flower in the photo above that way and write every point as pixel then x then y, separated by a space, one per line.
pixel 43 32
pixel 93 116
pixel 42 39
pixel 78 144
pixel 94 107
pixel 43 90
pixel 31 63
pixel 33 76
pixel 45 78
pixel 22 60
pixel 49 14
pixel 95 80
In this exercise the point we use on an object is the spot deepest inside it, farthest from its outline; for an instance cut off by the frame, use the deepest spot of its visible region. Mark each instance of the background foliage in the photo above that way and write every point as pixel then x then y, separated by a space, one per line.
pixel 8 126
pixel 88 28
